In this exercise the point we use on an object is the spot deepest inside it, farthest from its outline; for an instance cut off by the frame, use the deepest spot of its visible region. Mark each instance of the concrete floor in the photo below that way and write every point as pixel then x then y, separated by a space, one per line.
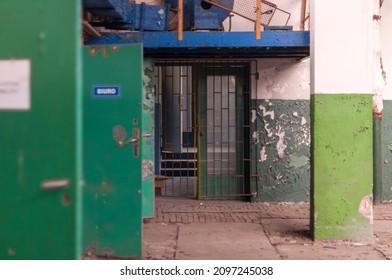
pixel 225 230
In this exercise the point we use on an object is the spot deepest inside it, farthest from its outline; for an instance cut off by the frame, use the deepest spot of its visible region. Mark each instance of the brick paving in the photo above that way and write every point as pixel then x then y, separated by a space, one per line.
pixel 285 225
pixel 169 210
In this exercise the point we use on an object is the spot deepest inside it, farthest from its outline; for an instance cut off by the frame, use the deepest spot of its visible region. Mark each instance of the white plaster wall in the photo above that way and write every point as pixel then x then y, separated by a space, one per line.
pixel 386 46
pixel 287 79
pixel 291 6
pixel 341 46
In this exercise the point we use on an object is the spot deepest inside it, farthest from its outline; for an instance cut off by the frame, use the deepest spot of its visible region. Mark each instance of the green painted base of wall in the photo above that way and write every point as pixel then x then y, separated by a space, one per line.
pixel 387 150
pixel 280 150
pixel 342 166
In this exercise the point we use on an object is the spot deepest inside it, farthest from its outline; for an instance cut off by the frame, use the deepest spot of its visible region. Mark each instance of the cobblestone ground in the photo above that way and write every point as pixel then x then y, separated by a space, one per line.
pixel 194 211
pixel 286 225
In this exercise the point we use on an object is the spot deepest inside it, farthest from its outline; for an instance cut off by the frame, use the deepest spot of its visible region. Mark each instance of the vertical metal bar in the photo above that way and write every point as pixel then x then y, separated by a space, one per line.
pixel 245 114
pixel 181 161
pixel 258 19
pixel 190 182
pixel 186 94
pixel 214 154
pixel 229 185
pixel 244 130
pixel 200 167
pixel 191 161
pixel 222 140
pixel 239 130
pixel 180 20
pixel 172 138
pixel 202 145
pixel 248 140
pixel 256 125
pixel 165 128
pixel 220 137
pixel 194 132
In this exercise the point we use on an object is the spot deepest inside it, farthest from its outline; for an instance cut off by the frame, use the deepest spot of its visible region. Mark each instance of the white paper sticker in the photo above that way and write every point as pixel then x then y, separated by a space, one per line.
pixel 15 89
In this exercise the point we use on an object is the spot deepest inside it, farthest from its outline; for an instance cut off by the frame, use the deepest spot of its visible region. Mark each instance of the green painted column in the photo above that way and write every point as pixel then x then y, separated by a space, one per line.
pixel 342 122
pixel 342 165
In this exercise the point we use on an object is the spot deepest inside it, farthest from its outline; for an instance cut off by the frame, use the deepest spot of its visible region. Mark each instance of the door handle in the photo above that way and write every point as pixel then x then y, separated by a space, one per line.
pixel 55 184
pixel 120 136
pixel 131 140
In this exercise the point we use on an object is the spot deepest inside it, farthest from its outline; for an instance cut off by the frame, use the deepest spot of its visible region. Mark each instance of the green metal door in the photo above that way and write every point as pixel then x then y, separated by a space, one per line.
pixel 112 98
pixel 40 123
pixel 223 131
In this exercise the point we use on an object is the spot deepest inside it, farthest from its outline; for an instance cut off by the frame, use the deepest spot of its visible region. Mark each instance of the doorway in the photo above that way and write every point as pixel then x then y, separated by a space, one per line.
pixel 202 127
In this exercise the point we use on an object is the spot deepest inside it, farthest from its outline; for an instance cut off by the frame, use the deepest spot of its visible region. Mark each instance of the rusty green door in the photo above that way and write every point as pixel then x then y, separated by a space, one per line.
pixel 112 95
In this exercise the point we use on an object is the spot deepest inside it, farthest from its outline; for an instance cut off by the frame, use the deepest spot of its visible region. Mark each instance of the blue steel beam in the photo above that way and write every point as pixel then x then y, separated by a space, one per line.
pixel 114 9
pixel 239 44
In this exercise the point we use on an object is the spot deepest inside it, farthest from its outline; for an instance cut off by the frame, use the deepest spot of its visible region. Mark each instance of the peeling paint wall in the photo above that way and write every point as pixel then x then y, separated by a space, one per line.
pixel 386 48
pixel 286 79
pixel 147 139
pixel 280 150
pixel 280 131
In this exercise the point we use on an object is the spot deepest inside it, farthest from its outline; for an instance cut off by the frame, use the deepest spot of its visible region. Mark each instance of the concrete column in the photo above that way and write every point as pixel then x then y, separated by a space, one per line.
pixel 341 108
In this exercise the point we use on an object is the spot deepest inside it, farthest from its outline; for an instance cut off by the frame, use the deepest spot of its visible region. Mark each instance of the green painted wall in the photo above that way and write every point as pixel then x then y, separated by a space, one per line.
pixel 342 170
pixel 280 149
pixel 387 150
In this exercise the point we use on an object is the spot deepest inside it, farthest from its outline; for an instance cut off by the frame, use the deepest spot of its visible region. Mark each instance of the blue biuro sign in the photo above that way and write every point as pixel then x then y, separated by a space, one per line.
pixel 106 91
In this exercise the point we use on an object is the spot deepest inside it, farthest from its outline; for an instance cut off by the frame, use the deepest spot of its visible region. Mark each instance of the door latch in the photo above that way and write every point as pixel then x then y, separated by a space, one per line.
pixel 120 136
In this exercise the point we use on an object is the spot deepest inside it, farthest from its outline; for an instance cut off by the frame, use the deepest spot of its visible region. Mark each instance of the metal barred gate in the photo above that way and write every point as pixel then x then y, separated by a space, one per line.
pixel 202 125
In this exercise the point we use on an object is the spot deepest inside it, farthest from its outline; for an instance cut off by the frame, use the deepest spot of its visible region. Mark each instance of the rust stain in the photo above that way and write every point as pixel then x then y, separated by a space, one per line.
pixel 383 73
pixel 377 115
pixel 377 17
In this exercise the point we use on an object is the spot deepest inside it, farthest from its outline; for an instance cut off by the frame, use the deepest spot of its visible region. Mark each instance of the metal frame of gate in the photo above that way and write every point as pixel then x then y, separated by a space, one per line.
pixel 203 140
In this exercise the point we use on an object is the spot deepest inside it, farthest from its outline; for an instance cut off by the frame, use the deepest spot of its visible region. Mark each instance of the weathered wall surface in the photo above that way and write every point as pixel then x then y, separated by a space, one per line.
pixel 280 150
pixel 280 131
pixel 147 140
pixel 387 150
pixel 386 48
